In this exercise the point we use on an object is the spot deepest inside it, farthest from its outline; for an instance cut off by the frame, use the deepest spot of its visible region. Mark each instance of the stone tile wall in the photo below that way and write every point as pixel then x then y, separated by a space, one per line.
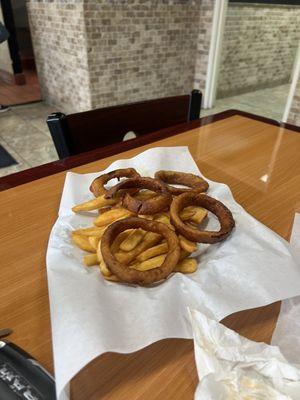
pixel 294 116
pixel 60 47
pixel 203 43
pixel 259 47
pixel 140 49
pixel 96 53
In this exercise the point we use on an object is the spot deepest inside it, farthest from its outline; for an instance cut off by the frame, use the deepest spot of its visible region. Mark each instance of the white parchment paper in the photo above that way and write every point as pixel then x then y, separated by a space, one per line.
pixel 231 367
pixel 287 332
pixel 90 316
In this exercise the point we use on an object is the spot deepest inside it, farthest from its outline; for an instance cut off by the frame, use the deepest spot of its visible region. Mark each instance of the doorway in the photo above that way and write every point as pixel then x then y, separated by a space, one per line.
pixel 18 75
pixel 255 56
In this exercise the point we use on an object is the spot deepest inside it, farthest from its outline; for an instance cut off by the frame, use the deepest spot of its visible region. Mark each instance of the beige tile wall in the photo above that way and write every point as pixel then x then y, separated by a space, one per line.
pixel 60 47
pixel 141 49
pixel 294 117
pixel 97 53
pixel 259 47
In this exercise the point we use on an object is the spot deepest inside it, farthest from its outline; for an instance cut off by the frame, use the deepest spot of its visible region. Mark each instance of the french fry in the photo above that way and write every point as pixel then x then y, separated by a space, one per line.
pixel 194 214
pixel 83 243
pixel 98 252
pixel 111 216
pixel 115 247
pixel 199 216
pixel 187 213
pixel 186 266
pixel 187 245
pixel 94 204
pixel 111 278
pixel 103 268
pixel 153 251
pixel 165 219
pixel 94 241
pixel 145 195
pixel 93 231
pixel 132 240
pixel 150 239
pixel 90 259
pixel 103 210
pixel 151 263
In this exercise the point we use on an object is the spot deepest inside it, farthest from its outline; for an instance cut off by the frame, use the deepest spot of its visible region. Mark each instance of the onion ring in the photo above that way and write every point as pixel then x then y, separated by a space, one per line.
pixel 130 275
pixel 150 206
pixel 193 182
pixel 97 186
pixel 216 207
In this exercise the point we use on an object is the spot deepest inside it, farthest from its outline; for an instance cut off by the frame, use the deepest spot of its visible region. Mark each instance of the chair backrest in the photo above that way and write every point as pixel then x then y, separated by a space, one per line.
pixel 76 133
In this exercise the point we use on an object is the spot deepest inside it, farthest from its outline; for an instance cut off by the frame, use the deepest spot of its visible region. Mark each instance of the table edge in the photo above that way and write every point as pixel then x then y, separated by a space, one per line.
pixel 41 171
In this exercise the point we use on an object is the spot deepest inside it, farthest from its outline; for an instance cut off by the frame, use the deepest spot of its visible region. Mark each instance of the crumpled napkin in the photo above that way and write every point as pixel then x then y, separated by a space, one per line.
pixel 287 332
pixel 231 367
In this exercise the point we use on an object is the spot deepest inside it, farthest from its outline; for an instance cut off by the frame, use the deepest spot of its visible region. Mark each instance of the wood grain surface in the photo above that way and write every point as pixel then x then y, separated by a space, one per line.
pixel 260 162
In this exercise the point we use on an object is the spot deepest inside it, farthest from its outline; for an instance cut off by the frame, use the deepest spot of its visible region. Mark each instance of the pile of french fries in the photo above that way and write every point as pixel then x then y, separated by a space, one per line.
pixel 135 248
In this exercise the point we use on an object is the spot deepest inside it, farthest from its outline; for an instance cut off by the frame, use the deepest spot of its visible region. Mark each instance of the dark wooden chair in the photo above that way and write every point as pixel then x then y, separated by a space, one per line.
pixel 76 133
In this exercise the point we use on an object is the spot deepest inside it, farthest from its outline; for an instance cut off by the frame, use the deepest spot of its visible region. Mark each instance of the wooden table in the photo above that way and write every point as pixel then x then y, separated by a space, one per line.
pixel 260 162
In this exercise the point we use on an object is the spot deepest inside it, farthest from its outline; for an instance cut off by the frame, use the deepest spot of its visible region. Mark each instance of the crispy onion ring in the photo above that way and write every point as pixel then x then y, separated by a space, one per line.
pixel 193 182
pixel 127 274
pixel 97 186
pixel 216 207
pixel 149 206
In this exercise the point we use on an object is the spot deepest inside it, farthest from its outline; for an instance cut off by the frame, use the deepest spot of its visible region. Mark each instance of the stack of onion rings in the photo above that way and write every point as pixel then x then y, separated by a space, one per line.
pixel 166 198
pixel 131 275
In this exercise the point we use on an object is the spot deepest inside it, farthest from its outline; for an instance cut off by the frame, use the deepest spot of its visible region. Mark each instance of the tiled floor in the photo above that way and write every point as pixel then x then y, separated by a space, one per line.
pixel 25 135
pixel 266 102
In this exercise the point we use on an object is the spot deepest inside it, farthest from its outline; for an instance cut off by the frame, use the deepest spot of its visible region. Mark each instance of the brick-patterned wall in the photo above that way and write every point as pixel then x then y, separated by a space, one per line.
pixel 59 39
pixel 203 43
pixel 96 53
pixel 141 49
pixel 294 116
pixel 259 47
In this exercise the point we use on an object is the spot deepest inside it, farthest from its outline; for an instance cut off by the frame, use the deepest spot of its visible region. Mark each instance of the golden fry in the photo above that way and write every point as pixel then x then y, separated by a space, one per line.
pixel 187 245
pixel 151 263
pixel 103 268
pixel 187 213
pixel 187 266
pixel 145 195
pixel 194 214
pixel 94 241
pixel 119 239
pixel 93 231
pixel 103 210
pixel 153 251
pixel 98 252
pixel 165 219
pixel 199 216
pixel 111 216
pixel 90 259
pixel 132 240
pixel 83 243
pixel 150 239
pixel 111 278
pixel 94 204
